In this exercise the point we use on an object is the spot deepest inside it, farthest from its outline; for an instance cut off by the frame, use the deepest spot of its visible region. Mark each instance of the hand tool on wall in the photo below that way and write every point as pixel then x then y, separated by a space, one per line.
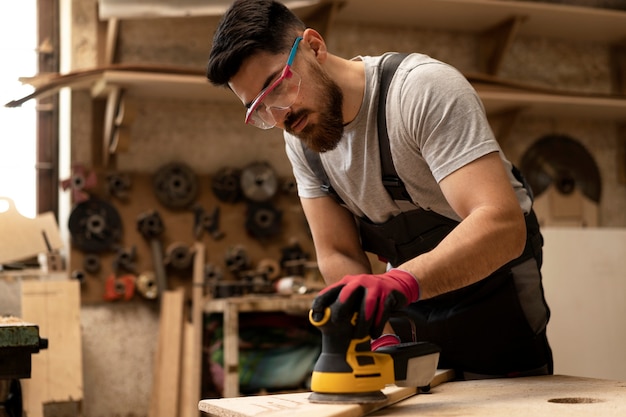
pixel 347 371
pixel 150 226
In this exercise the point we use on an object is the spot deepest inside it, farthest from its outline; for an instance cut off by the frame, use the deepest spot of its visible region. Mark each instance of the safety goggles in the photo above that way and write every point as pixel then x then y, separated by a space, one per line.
pixel 279 95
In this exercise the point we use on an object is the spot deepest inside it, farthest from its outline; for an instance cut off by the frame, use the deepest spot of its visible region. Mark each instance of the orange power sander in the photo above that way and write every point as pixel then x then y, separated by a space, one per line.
pixel 347 371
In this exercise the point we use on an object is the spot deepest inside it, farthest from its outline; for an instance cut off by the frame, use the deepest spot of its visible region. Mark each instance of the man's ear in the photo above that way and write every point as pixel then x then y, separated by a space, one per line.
pixel 316 42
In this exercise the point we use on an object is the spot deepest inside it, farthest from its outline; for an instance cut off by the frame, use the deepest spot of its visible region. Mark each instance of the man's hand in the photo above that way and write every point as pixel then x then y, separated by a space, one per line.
pixel 382 295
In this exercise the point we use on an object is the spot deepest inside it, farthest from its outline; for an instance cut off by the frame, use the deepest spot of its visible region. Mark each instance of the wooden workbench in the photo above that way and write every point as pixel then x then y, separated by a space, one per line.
pixel 553 396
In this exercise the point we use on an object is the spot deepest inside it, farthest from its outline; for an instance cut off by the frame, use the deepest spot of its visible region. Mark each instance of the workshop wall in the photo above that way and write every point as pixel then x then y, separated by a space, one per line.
pixel 119 338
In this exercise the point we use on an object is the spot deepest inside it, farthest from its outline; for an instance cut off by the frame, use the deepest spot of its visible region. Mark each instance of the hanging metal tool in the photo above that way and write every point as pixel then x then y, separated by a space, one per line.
pixel 119 287
pixel 175 185
pixel 91 263
pixel 563 162
pixel 263 220
pixel 207 221
pixel 95 226
pixel 147 286
pixel 226 185
pixel 259 182
pixel 150 225
pixel 178 255
pixel 118 185
pixel 80 183
pixel 124 260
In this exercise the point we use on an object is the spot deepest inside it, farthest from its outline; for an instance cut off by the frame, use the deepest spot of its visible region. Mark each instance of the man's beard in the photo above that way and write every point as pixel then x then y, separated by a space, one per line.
pixel 324 135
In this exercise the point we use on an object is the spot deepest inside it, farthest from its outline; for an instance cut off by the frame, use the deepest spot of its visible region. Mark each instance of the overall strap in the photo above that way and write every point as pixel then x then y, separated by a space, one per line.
pixel 392 182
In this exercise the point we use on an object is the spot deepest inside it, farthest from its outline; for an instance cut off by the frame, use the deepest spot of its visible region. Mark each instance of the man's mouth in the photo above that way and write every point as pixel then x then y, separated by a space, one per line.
pixel 300 123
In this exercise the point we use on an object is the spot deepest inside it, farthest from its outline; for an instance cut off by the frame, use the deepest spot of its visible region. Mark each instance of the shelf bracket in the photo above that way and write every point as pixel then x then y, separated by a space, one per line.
pixel 495 42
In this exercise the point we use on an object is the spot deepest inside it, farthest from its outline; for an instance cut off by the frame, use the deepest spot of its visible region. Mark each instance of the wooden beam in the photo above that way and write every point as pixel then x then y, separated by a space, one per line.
pixel 495 43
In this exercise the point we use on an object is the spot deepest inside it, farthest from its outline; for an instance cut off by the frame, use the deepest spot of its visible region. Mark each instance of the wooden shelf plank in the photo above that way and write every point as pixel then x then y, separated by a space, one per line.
pixel 497 98
pixel 154 85
pixel 501 99
pixel 541 19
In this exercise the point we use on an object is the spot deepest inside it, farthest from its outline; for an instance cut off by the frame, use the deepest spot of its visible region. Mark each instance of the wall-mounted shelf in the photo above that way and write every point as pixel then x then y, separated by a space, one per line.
pixel 540 19
pixel 497 98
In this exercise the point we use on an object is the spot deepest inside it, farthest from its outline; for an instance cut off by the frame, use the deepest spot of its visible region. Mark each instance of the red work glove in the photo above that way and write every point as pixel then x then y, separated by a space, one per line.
pixel 382 295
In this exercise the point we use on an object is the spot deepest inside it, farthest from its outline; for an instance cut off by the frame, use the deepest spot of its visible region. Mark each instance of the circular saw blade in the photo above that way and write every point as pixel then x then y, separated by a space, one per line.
pixel 563 162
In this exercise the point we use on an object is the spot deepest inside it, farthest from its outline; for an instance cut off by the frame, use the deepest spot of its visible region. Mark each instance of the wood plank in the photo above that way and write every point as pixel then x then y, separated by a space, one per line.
pixel 284 405
pixel 541 396
pixel 57 372
pixel 26 234
pixel 190 387
pixel 167 364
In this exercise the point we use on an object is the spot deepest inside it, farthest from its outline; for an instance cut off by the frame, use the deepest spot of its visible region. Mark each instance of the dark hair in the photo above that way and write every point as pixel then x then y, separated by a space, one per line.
pixel 249 27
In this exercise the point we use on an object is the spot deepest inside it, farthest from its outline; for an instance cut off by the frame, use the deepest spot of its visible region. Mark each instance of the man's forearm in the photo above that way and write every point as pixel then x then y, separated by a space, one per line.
pixel 468 254
pixel 335 266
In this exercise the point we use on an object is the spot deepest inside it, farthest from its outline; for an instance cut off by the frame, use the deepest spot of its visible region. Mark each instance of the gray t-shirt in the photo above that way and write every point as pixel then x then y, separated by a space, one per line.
pixel 436 124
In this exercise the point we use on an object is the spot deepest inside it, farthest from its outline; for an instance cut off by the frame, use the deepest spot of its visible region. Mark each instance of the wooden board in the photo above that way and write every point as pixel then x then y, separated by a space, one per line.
pixel 541 396
pixel 167 364
pixel 22 237
pixel 283 405
pixel 57 372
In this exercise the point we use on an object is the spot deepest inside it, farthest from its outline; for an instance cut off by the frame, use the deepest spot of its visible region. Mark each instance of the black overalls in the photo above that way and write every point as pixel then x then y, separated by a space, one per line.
pixel 496 326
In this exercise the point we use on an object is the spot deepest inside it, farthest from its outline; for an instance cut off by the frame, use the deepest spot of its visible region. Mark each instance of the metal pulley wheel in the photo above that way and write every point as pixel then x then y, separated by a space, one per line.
pixel 263 220
pixel 563 162
pixel 91 263
pixel 270 268
pixel 225 185
pixel 175 185
pixel 147 286
pixel 95 226
pixel 259 182
pixel 179 256
pixel 118 185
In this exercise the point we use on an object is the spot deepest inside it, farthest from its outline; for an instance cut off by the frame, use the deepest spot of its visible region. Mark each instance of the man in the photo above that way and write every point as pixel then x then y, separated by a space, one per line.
pixel 462 243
